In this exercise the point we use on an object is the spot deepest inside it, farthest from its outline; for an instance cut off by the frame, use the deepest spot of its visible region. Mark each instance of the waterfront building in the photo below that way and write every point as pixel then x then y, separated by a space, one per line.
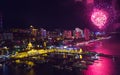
pixel 87 34
pixel 67 34
pixel 78 33
pixel 43 33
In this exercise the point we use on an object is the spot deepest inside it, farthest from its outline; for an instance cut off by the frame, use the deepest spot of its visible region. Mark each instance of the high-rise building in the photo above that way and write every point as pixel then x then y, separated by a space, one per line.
pixel 67 34
pixel 43 33
pixel 87 34
pixel 78 33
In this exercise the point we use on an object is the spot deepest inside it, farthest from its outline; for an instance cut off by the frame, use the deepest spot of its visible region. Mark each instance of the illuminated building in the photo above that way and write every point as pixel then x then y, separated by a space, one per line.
pixel 43 33
pixel 78 33
pixel 58 32
pixel 67 34
pixel 20 34
pixel 87 34
pixel 30 46
pixel 33 31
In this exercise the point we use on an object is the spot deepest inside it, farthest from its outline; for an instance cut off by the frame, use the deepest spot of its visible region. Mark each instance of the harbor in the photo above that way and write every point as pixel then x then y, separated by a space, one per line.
pixel 58 60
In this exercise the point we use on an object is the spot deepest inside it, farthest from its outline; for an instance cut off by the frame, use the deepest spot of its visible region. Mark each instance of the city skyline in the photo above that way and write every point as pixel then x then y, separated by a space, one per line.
pixel 60 37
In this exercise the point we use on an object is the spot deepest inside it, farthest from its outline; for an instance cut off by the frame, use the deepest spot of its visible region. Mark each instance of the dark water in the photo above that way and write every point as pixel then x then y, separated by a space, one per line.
pixel 103 66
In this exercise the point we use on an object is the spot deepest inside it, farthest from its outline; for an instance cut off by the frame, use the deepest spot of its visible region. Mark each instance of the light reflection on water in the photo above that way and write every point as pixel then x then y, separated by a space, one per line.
pixel 103 66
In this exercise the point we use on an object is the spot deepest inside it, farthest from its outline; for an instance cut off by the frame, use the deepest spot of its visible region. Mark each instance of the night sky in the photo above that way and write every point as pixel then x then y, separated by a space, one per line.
pixel 48 14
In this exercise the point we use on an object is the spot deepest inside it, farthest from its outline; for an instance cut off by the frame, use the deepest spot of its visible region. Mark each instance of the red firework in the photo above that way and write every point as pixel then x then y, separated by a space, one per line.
pixel 99 18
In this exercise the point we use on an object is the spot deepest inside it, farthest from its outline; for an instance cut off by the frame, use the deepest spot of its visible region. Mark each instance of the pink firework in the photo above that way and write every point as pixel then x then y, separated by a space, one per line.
pixel 99 18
